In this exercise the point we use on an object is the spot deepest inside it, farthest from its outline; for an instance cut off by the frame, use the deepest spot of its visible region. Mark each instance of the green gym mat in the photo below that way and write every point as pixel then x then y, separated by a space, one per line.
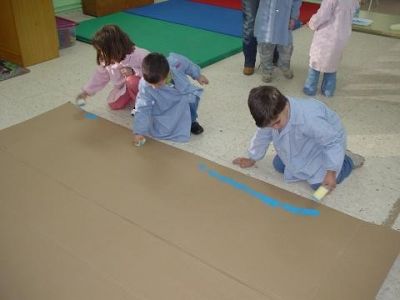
pixel 201 46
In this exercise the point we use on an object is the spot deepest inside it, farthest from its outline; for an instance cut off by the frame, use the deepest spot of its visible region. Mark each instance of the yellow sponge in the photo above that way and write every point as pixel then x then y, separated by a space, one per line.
pixel 320 193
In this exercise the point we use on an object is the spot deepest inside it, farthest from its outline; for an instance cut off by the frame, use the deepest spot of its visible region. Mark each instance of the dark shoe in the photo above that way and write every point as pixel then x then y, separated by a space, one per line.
pixel 248 71
pixel 196 128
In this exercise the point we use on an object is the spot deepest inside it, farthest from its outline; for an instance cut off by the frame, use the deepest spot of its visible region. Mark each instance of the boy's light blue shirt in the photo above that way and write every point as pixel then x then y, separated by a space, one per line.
pixel 164 112
pixel 272 21
pixel 312 142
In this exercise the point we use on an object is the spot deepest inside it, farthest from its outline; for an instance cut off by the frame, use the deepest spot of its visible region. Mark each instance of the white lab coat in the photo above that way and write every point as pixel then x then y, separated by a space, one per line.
pixel 332 25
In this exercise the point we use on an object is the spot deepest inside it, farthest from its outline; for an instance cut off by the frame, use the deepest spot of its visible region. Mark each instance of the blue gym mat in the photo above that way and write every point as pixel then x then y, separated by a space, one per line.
pixel 208 17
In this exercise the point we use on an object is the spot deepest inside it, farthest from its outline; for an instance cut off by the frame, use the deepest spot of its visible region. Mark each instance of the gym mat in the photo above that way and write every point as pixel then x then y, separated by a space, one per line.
pixel 201 46
pixel 203 16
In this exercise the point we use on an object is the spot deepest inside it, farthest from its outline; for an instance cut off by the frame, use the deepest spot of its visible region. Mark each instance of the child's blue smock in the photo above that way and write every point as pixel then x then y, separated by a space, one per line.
pixel 272 21
pixel 312 142
pixel 164 112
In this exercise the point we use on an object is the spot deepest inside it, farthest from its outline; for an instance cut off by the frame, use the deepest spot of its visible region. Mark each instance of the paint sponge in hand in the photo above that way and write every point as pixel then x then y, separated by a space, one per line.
pixel 320 193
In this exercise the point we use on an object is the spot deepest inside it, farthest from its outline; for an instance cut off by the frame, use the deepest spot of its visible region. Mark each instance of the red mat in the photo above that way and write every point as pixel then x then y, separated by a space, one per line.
pixel 306 11
pixel 235 4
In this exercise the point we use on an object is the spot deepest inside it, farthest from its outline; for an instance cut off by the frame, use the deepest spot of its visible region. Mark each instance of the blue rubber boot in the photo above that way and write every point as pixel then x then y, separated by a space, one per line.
pixel 310 86
pixel 328 85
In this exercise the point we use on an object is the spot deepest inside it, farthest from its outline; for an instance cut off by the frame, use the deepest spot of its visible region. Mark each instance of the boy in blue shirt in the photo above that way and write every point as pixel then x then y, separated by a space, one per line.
pixel 166 104
pixel 309 139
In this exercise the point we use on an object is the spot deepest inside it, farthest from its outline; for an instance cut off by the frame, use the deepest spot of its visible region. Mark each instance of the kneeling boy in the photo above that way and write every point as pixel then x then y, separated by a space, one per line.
pixel 166 105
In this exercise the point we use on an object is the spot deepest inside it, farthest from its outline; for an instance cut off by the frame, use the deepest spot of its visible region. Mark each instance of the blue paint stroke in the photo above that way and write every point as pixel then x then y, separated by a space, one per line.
pixel 263 198
pixel 90 116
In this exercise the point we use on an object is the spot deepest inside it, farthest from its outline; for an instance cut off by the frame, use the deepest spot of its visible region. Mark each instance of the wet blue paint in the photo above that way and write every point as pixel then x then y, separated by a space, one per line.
pixel 90 116
pixel 263 198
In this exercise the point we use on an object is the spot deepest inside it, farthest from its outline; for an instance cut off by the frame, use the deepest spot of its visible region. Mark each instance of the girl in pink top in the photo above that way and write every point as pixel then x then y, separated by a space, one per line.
pixel 332 29
pixel 119 62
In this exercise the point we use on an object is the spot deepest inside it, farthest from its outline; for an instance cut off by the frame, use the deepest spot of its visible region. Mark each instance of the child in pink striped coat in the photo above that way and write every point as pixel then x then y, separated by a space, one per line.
pixel 119 62
pixel 332 29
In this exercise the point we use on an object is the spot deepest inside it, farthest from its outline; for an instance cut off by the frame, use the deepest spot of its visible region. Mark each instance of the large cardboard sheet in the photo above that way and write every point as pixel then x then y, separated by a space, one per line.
pixel 86 215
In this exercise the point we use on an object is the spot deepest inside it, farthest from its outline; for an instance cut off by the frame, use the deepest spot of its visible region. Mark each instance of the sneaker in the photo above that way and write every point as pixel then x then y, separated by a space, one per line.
pixel 266 77
pixel 248 71
pixel 287 73
pixel 357 159
pixel 196 128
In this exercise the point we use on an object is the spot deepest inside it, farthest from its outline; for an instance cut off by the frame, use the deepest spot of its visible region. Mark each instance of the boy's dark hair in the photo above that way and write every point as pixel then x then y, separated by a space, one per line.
pixel 111 44
pixel 265 104
pixel 155 67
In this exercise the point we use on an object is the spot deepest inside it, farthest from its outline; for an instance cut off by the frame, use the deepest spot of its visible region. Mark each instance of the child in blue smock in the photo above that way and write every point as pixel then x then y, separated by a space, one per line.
pixel 308 137
pixel 166 105
pixel 273 27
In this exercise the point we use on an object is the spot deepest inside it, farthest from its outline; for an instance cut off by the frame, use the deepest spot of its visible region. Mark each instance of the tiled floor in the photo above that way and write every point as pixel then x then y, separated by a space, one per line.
pixel 367 99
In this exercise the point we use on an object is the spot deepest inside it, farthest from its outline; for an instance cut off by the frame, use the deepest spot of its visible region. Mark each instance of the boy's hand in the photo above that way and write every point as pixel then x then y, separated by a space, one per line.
pixel 244 162
pixel 126 71
pixel 330 180
pixel 138 139
pixel 202 80
pixel 82 95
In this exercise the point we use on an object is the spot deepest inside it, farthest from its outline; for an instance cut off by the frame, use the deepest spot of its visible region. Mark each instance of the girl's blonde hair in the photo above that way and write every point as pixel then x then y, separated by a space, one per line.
pixel 112 45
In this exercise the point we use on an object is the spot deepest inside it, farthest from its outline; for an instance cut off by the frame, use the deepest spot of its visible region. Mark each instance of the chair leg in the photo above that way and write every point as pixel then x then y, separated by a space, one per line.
pixel 370 4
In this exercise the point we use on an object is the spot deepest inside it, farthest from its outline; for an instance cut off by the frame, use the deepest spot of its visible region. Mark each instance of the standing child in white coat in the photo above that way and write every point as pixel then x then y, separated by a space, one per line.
pixel 332 29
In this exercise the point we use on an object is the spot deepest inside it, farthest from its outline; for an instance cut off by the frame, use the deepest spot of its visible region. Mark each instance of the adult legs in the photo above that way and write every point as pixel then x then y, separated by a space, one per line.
pixel 285 55
pixel 266 51
pixel 249 10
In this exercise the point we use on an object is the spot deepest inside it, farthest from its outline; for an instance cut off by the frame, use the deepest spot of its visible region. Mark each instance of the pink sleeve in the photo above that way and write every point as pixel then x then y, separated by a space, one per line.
pixel 323 15
pixel 98 81
pixel 136 59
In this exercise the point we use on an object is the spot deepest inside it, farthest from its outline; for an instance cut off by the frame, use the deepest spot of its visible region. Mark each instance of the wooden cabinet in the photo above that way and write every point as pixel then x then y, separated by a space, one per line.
pixel 28 33
pixel 104 7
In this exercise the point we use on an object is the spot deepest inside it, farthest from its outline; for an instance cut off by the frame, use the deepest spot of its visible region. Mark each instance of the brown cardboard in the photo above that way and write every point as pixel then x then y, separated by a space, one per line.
pixel 149 222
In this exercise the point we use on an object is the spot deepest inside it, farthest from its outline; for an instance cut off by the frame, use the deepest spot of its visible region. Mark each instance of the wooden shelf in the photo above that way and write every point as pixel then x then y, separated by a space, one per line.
pixel 29 34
